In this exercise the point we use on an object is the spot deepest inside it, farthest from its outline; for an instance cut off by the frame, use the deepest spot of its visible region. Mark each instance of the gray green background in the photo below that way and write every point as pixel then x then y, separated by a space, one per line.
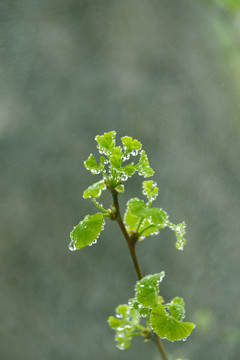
pixel 153 70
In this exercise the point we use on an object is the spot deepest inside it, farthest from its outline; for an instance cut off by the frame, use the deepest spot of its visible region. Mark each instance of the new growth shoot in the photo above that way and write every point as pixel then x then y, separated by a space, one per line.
pixel 145 315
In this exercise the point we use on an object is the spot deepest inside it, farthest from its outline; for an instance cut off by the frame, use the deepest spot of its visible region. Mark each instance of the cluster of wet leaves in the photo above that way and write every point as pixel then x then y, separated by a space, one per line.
pixel 141 220
pixel 165 319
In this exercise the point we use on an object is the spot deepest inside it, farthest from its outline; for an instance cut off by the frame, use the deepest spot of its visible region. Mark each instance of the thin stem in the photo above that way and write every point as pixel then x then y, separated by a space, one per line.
pixel 131 246
pixel 146 228
pixel 98 205
pixel 139 224
pixel 160 347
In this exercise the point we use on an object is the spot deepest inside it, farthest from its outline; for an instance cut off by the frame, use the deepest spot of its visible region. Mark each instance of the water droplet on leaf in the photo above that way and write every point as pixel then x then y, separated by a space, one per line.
pixel 72 246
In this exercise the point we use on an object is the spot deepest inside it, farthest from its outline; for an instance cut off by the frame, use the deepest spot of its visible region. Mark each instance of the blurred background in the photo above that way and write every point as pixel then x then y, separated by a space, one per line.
pixel 166 73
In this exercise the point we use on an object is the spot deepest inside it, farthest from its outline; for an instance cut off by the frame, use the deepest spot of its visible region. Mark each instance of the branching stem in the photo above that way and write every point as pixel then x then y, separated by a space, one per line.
pixel 131 247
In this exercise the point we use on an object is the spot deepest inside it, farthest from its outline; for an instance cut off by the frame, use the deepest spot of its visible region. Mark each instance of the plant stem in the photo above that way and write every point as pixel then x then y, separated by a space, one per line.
pixel 160 347
pixel 130 243
pixel 98 205
pixel 131 246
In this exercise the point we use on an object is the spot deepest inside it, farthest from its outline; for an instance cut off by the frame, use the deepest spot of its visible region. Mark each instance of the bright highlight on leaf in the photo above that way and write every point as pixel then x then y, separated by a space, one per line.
pixel 87 231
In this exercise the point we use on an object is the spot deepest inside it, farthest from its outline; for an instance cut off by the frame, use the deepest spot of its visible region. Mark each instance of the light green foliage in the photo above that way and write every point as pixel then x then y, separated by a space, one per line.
pixel 165 319
pixel 115 156
pixel 150 189
pixel 87 231
pixel 143 166
pixel 147 289
pixel 95 190
pixel 130 146
pixel 180 232
pixel 127 321
pixel 166 326
pixel 143 220
pixel 177 308
pixel 92 165
pixel 140 221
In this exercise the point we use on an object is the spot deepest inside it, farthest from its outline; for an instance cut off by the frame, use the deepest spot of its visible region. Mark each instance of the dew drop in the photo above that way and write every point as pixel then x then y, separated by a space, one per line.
pixel 124 177
pixel 94 171
pixel 134 152
pixel 92 243
pixel 126 157
pixel 72 246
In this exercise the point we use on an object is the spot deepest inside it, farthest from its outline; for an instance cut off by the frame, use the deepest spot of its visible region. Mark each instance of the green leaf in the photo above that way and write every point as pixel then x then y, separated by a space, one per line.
pixel 116 161
pixel 130 217
pixel 137 210
pixel 128 170
pixel 119 188
pixel 143 166
pixel 87 231
pixel 177 308
pixel 117 150
pixel 147 289
pixel 180 232
pixel 130 145
pixel 95 190
pixel 150 189
pixel 168 327
pixel 106 142
pixel 92 165
pixel 142 310
pixel 125 324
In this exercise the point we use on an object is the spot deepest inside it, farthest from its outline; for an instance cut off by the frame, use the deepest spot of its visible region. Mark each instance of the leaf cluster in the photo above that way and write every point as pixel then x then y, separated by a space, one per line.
pixel 141 219
pixel 165 319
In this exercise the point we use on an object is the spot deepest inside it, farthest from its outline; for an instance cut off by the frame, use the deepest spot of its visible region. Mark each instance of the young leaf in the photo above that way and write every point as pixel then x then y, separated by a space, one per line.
pixel 116 161
pixel 106 142
pixel 92 165
pixel 130 145
pixel 147 289
pixel 177 308
pixel 167 327
pixel 95 190
pixel 87 231
pixel 143 166
pixel 180 232
pixel 131 218
pixel 135 304
pixel 137 209
pixel 128 170
pixel 150 189
pixel 125 324
pixel 119 188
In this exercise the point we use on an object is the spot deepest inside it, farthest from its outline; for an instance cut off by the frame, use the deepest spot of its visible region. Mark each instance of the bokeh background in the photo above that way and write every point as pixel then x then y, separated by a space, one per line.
pixel 164 72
